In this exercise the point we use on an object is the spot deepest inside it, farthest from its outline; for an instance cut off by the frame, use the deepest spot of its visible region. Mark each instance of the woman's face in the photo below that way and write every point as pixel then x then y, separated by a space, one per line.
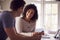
pixel 30 13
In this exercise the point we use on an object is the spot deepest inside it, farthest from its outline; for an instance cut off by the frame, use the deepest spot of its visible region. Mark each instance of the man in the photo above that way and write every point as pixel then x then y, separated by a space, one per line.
pixel 7 22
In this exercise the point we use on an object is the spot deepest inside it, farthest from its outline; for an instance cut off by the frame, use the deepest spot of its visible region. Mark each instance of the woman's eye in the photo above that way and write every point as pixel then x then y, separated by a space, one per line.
pixel 28 11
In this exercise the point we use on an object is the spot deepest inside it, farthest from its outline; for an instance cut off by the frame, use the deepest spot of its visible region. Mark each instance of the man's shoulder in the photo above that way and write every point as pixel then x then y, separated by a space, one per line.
pixel 5 14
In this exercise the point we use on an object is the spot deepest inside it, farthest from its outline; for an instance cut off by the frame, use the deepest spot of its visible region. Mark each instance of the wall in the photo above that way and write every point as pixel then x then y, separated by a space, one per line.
pixel 6 4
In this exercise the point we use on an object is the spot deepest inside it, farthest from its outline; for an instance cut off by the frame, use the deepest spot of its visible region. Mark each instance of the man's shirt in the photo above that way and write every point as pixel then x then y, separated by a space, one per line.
pixel 6 21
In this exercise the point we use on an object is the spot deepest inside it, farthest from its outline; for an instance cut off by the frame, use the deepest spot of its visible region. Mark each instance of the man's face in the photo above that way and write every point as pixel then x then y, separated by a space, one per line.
pixel 19 11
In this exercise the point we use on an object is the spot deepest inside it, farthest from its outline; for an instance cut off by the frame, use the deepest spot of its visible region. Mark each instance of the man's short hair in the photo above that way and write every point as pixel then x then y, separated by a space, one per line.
pixel 15 4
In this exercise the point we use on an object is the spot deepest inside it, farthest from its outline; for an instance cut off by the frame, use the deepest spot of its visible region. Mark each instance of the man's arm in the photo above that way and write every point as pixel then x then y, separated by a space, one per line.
pixel 11 33
pixel 13 36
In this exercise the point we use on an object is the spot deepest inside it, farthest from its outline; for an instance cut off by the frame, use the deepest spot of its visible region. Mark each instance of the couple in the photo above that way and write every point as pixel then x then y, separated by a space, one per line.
pixel 7 21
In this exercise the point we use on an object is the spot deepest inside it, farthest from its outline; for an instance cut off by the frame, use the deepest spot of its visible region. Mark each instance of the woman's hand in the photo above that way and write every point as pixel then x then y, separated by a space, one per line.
pixel 38 35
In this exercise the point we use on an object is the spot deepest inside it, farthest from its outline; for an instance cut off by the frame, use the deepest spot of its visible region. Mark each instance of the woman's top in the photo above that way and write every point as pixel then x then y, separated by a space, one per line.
pixel 26 26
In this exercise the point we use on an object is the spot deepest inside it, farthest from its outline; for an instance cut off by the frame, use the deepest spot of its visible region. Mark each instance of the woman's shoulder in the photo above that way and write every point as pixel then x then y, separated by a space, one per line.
pixel 21 19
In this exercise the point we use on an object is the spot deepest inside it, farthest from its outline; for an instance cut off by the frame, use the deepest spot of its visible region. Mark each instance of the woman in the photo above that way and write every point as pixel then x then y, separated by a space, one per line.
pixel 29 18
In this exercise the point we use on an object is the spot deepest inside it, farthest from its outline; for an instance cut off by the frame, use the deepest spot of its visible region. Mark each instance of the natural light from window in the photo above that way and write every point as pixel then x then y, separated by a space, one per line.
pixel 50 19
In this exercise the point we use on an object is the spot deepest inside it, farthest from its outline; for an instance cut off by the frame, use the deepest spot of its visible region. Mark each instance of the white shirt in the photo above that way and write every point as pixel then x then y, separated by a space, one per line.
pixel 26 26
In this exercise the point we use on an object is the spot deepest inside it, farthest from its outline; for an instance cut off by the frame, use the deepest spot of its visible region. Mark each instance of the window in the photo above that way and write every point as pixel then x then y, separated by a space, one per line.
pixel 51 16
pixel 49 0
pixel 48 15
